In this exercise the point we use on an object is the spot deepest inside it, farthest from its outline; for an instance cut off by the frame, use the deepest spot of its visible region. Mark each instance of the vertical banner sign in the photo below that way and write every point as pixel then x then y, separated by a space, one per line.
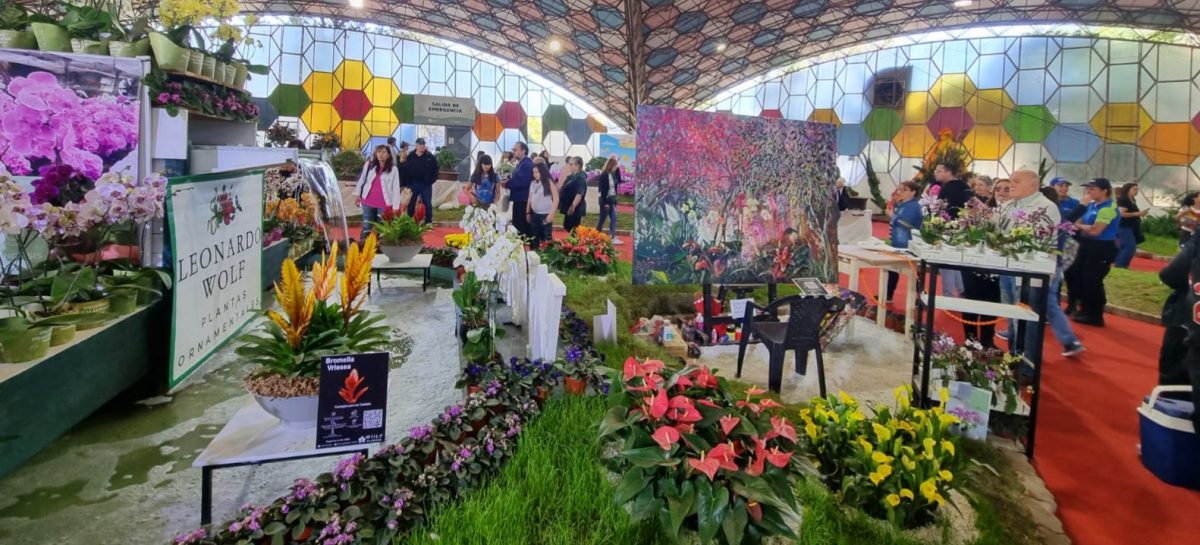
pixel 352 408
pixel 216 257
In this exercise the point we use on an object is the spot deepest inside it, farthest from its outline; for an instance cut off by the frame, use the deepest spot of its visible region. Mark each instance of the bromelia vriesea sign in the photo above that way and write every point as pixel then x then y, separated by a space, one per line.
pixel 691 454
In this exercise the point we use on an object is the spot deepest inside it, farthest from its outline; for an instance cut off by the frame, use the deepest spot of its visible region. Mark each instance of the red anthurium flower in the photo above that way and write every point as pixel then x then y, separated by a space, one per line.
pixel 756 467
pixel 723 454
pixel 666 437
pixel 777 458
pixel 752 406
pixel 755 390
pixel 728 423
pixel 755 511
pixel 687 415
pixel 707 466
pixel 682 402
pixel 652 366
pixel 705 379
pixel 768 403
pixel 632 369
pixel 707 403
pixel 658 405
pixel 781 427
pixel 683 382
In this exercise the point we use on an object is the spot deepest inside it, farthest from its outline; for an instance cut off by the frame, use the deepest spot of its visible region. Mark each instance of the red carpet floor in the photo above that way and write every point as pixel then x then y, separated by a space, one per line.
pixel 1087 433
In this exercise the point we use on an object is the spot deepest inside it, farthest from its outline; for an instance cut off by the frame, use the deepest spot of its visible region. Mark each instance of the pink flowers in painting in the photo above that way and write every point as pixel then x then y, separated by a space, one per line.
pixel 43 122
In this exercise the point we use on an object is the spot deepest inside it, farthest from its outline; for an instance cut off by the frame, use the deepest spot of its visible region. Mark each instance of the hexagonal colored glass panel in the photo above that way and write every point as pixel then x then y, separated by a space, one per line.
pixel 289 100
pixel 578 131
pixel 352 104
pixel 556 118
pixel 952 90
pixel 955 120
pixel 352 74
pixel 382 92
pixel 772 114
pixel 1121 123
pixel 533 129
pixel 825 115
pixel 596 125
pixel 851 139
pixel 989 106
pixel 511 114
pixel 913 140
pixel 321 87
pixel 488 127
pixel 354 134
pixel 918 107
pixel 1072 143
pixel 1196 121
pixel 403 107
pixel 882 123
pixel 1030 123
pixel 987 142
pixel 320 117
pixel 1171 143
pixel 381 121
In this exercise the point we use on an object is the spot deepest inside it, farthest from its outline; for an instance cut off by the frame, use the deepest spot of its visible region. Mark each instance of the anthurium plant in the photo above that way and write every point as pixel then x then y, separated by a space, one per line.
pixel 691 454
pixel 397 229
pixel 896 464
pixel 584 250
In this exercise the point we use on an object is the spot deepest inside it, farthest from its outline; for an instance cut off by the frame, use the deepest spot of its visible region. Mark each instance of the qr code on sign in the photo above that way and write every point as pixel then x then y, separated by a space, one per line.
pixel 372 419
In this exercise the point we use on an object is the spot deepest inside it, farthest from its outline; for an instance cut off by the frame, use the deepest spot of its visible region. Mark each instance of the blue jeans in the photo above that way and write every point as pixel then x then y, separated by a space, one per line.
pixel 952 283
pixel 425 193
pixel 1055 317
pixel 1126 247
pixel 370 215
pixel 608 211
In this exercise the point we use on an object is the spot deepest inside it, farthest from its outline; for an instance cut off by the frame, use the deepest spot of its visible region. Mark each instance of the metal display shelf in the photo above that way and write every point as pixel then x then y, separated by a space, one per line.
pixel 1027 314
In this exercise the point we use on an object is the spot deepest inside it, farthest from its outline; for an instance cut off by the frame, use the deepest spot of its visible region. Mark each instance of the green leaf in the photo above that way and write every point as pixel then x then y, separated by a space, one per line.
pixel 614 420
pixel 680 507
pixel 734 523
pixel 631 485
pixel 646 504
pixel 646 456
pixel 274 527
pixel 710 509
pixel 757 489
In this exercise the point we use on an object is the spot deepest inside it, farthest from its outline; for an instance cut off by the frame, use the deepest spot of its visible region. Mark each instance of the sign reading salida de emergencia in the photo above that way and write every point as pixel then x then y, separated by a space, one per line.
pixel 216 249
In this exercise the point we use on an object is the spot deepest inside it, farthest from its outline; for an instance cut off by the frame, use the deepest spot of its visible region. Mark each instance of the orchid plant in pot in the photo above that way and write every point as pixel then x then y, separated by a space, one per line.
pixel 485 255
pixel 285 381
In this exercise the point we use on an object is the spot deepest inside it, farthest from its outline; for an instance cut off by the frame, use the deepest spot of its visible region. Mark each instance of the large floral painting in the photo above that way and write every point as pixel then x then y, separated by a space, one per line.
pixel 730 199
pixel 81 111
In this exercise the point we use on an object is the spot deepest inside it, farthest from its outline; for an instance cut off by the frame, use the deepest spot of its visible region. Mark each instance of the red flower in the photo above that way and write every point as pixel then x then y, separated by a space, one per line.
pixel 666 437
pixel 658 404
pixel 777 458
pixel 707 466
pixel 756 467
pixel 728 423
pixel 724 455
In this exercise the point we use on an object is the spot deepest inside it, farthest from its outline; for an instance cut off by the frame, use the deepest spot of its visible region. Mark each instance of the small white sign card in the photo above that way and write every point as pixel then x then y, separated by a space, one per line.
pixel 972 406
pixel 604 326
pixel 737 308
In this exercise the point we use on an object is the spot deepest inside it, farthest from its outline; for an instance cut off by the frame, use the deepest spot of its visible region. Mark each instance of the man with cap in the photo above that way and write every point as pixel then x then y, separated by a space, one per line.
pixel 421 171
pixel 1066 203
pixel 1097 251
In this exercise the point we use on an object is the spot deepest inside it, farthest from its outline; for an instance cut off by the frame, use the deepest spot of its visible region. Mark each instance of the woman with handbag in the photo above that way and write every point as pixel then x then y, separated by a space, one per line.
pixel 610 178
pixel 378 187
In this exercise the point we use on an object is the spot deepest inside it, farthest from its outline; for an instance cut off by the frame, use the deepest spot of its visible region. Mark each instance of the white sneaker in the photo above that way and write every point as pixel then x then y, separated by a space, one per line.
pixel 618 242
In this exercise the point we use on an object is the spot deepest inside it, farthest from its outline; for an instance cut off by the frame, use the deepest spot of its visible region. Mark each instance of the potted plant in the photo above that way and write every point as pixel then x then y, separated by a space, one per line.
pixel 326 140
pixel 134 39
pixel 285 381
pixel 400 236
pixel 89 25
pixel 19 342
pixel 126 287
pixel 14 27
pixel 581 368
pixel 279 135
pixel 447 164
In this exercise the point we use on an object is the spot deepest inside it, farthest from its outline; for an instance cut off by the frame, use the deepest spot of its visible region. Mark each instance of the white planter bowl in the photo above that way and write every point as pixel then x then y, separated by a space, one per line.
pixel 400 254
pixel 294 412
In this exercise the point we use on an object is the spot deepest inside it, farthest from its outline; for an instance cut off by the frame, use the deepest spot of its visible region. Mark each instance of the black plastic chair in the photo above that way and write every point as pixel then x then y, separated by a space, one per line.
pixel 800 333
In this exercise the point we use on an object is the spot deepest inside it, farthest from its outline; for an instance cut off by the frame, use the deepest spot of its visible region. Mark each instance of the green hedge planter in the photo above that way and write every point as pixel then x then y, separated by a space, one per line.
pixel 139 48
pixel 51 395
pixel 168 54
pixel 23 346
pixel 17 39
pixel 51 37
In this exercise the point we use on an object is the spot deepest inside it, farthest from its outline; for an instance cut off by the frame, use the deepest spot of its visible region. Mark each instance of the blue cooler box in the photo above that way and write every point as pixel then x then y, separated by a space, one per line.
pixel 1170 446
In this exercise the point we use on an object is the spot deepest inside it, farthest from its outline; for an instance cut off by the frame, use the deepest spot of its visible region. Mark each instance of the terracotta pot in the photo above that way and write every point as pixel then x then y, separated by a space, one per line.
pixel 574 386
pixel 542 395
pixel 304 535
pixel 474 389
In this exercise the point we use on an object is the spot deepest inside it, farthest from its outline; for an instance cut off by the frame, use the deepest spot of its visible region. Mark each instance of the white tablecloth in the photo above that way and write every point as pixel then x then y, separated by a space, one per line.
pixel 854 226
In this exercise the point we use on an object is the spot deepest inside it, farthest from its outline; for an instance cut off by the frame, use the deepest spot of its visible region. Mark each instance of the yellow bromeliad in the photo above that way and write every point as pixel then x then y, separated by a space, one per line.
pixel 324 274
pixel 295 301
pixel 357 275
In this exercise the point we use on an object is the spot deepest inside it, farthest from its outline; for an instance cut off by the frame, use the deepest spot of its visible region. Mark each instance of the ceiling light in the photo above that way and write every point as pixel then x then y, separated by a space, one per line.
pixel 720 47
pixel 358 4
pixel 555 45
pixel 963 3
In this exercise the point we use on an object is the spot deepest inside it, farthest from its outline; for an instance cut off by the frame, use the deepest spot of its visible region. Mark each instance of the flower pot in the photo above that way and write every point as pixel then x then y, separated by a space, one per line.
pixel 239 78
pixel 123 302
pixel 90 47
pixel 230 74
pixel 51 37
pixel 169 55
pixel 208 67
pixel 195 63
pixel 89 307
pixel 449 175
pixel 139 48
pixel 61 334
pixel 146 297
pixel 22 346
pixel 400 254
pixel 294 412
pixel 542 394
pixel 474 389
pixel 574 386
pixel 17 39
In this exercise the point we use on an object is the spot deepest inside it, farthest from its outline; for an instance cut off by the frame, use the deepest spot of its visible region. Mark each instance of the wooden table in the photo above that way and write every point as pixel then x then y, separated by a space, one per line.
pixel 420 262
pixel 254 437
pixel 859 258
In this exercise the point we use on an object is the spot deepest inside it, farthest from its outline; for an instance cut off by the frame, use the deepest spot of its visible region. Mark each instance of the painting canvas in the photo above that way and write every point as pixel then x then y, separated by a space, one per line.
pixel 622 146
pixel 731 199
pixel 61 108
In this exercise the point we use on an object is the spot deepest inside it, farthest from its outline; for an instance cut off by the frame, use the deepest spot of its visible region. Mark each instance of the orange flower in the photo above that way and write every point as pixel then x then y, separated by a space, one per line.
pixel 357 275
pixel 324 275
pixel 295 301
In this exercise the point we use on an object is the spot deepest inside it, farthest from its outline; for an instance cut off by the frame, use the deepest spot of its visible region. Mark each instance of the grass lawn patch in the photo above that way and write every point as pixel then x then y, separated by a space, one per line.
pixel 1136 290
pixel 624 220
pixel 1160 245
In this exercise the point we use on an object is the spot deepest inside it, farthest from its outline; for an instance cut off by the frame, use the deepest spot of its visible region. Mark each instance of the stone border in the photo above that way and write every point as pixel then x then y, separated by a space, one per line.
pixel 1133 314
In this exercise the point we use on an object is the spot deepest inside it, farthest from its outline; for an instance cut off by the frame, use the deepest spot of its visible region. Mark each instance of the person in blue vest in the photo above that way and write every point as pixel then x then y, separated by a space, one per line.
pixel 905 212
pixel 1066 203
pixel 518 188
pixel 1097 250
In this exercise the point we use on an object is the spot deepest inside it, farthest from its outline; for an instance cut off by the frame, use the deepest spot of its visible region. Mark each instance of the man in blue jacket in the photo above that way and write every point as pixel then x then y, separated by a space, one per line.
pixel 420 172
pixel 518 187
pixel 1066 203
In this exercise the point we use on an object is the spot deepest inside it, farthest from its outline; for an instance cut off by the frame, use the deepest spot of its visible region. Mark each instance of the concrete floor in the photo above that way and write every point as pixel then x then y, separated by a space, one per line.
pixel 124 475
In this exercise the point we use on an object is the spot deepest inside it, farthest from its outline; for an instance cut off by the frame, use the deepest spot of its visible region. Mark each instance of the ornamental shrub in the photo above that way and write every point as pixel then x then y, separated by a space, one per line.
pixel 348 164
pixel 595 163
pixel 584 250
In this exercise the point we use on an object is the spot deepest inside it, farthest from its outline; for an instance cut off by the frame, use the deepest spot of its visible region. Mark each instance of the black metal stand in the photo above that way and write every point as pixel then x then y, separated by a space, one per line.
pixel 927 283
pixel 740 290
pixel 207 471
pixel 379 276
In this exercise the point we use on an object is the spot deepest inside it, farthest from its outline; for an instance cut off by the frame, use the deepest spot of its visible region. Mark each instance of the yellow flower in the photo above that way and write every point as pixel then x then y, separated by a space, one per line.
pixel 866 445
pixel 947 446
pixel 324 274
pixel 946 475
pixel 893 500
pixel 882 433
pixel 908 463
pixel 929 489
pixel 944 396
pixel 845 398
pixel 948 419
pixel 295 301
pixel 857 416
pixel 356 276
pixel 929 444
pixel 880 458
pixel 902 396
pixel 811 429
pixel 879 475
pixel 906 493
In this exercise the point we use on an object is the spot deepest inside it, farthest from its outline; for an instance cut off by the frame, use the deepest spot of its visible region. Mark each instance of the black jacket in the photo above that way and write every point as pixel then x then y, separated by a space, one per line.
pixel 608 182
pixel 955 193
pixel 420 170
pixel 1177 310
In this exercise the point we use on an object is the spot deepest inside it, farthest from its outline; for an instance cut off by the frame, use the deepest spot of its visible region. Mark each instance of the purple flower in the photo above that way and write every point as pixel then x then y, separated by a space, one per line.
pixel 465 452
pixel 421 433
pixel 346 468
pixel 163 98
pixel 455 466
